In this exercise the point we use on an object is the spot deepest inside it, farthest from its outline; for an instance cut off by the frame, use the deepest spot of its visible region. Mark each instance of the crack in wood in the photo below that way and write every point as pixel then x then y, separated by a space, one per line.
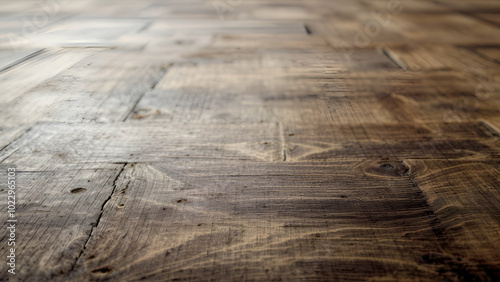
pixel 94 226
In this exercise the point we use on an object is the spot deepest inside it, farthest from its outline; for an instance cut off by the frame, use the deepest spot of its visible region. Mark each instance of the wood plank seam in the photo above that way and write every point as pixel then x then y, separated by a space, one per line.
pixel 23 60
pixel 463 269
pixel 6 147
pixel 436 230
pixel 394 59
pixel 145 27
pixel 163 72
pixel 490 128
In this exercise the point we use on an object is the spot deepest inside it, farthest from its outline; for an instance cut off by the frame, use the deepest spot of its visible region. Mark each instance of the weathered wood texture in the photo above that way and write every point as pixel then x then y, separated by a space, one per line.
pixel 285 221
pixel 60 206
pixel 135 142
pixel 251 140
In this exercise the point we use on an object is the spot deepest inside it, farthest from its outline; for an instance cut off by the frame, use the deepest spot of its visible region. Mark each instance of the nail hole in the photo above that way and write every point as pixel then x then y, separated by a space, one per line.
pixel 308 30
pixel 78 190
pixel 103 270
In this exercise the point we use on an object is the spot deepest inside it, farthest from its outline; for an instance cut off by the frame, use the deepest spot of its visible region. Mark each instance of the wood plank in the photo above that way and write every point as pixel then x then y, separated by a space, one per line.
pixel 234 89
pixel 268 42
pixel 18 80
pixel 104 87
pixel 202 27
pixel 347 33
pixel 407 6
pixel 58 205
pixel 266 230
pixel 11 58
pixel 334 95
pixel 465 141
pixel 490 17
pixel 290 61
pixel 263 222
pixel 446 28
pixel 278 140
pixel 466 199
pixel 438 57
pixel 86 32
pixel 293 11
pixel 138 142
pixel 471 6
pixel 189 106
pixel 321 108
pixel 364 29
pixel 430 96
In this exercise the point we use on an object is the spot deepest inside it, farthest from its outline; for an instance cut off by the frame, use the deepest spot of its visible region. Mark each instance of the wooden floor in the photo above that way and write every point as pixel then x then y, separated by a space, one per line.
pixel 251 140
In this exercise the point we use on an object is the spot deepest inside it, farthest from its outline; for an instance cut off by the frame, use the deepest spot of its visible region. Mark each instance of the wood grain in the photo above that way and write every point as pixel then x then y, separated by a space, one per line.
pixel 135 142
pixel 18 80
pixel 490 52
pixel 101 92
pixel 251 140
pixel 264 221
pixel 215 221
pixel 9 134
pixel 58 206
pixel 439 57
pixel 464 196
pixel 400 141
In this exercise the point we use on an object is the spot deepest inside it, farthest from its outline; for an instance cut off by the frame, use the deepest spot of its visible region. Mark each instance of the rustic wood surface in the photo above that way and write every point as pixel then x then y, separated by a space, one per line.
pixel 251 140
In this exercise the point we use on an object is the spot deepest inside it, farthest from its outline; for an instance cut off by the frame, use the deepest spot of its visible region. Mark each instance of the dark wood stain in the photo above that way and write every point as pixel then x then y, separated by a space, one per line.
pixel 158 141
